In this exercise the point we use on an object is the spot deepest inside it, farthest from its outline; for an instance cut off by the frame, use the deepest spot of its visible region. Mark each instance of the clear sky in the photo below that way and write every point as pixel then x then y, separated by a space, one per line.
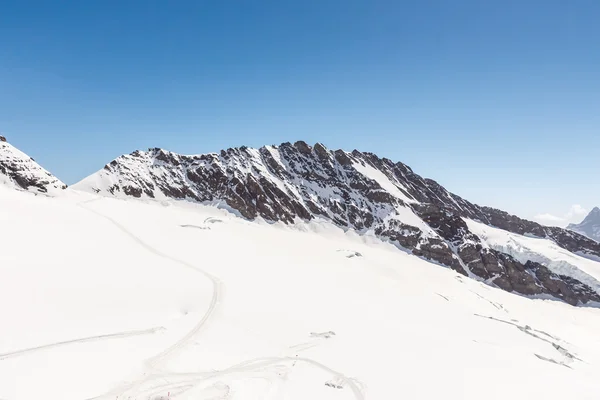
pixel 497 100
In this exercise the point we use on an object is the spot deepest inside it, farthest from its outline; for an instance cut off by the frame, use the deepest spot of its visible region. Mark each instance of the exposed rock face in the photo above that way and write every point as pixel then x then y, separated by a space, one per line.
pixel 590 226
pixel 20 171
pixel 354 190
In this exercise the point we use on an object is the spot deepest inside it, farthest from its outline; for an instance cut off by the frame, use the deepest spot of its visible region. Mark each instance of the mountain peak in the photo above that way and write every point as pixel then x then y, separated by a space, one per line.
pixel 19 171
pixel 593 216
pixel 590 226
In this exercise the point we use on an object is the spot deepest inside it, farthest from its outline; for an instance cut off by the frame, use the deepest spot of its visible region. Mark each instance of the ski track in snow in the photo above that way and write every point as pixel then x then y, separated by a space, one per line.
pixel 218 290
pixel 119 335
pixel 155 363
pixel 190 380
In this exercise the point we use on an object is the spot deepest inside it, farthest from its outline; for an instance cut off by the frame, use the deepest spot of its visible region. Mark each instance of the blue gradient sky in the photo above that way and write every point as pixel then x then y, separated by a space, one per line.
pixel 497 100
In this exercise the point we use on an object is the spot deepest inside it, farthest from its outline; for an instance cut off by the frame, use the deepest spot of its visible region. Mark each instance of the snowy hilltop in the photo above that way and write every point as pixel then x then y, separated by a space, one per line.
pixel 590 226
pixel 359 191
pixel 20 171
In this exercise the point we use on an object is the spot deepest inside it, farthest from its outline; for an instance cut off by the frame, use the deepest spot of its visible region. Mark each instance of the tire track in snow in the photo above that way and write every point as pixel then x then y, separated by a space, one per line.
pixel 119 335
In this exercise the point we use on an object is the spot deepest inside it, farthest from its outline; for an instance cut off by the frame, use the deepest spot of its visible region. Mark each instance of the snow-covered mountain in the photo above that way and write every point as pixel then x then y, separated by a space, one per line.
pixel 104 298
pixel 362 192
pixel 590 226
pixel 20 171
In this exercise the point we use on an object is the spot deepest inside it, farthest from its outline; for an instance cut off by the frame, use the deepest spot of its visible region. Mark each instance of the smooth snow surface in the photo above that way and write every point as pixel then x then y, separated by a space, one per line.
pixel 110 299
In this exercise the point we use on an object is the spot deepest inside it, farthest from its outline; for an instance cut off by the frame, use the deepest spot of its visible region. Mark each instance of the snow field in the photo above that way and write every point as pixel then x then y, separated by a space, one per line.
pixel 78 266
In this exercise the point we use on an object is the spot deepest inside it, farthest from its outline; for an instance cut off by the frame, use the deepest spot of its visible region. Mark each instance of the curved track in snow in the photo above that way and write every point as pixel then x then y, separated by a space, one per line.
pixel 134 389
pixel 218 289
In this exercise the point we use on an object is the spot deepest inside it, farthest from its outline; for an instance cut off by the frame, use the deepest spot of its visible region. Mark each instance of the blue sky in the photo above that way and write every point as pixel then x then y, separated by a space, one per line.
pixel 497 100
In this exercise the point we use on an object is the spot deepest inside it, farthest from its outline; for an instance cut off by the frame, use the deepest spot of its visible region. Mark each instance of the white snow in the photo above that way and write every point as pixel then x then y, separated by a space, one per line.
pixel 408 216
pixel 382 180
pixel 110 299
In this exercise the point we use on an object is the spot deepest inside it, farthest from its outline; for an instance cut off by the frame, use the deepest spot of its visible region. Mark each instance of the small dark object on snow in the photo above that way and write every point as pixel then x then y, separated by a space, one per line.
pixel 2 138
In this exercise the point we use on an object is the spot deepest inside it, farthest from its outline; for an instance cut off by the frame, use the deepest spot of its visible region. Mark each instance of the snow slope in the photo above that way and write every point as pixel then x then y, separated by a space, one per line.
pixel 541 250
pixel 18 170
pixel 104 298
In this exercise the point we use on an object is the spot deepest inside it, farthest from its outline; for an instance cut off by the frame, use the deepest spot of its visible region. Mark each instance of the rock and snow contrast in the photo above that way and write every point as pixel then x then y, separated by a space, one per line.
pixel 590 226
pixel 299 286
pixel 19 170
pixel 358 191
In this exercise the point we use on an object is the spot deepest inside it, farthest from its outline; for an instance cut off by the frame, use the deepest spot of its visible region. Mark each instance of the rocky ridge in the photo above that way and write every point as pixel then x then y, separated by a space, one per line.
pixel 20 171
pixel 354 190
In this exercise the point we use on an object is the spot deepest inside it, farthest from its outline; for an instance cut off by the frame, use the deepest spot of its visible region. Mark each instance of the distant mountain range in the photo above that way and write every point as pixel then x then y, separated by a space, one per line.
pixel 353 190
pixel 590 226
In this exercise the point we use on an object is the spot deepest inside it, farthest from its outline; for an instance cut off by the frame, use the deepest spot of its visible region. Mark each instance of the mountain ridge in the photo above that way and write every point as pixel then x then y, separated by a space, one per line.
pixel 354 190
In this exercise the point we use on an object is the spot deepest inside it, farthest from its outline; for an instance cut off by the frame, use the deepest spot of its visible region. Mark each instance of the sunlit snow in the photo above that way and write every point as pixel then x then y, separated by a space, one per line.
pixel 123 299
